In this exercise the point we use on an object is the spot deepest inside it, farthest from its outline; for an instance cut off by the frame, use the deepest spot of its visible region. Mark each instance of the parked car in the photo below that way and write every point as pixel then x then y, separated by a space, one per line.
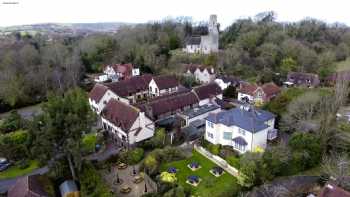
pixel 4 164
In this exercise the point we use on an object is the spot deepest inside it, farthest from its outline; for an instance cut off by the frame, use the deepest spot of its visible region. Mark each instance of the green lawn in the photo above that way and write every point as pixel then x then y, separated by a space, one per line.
pixel 15 171
pixel 225 185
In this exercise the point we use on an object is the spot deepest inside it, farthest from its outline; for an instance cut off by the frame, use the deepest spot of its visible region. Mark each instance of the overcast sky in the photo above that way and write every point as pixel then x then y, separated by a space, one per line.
pixel 18 12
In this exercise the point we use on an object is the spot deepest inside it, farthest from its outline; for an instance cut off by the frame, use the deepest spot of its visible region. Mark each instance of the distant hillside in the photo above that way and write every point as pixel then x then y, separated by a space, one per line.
pixel 70 28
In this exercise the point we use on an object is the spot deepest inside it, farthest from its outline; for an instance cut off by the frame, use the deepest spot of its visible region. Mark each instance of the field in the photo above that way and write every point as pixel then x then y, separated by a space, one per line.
pixel 225 185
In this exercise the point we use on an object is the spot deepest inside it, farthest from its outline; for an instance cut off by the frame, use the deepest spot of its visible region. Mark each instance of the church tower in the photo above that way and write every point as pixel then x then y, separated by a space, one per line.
pixel 213 34
pixel 213 25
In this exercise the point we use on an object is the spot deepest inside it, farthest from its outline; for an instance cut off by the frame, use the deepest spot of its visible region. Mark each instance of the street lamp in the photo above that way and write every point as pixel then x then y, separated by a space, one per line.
pixel 133 170
pixel 144 170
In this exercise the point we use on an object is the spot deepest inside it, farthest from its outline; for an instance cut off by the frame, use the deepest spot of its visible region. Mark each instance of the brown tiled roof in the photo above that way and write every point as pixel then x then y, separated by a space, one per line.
pixel 164 82
pixel 169 103
pixel 130 86
pixel 331 190
pixel 28 186
pixel 97 92
pixel 270 89
pixel 207 91
pixel 120 114
pixel 247 88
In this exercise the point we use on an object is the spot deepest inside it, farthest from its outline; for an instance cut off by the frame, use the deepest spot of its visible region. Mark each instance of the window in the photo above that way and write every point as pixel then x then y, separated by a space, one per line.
pixel 241 131
pixel 210 135
pixel 227 135
pixel 156 90
pixel 210 124
pixel 239 146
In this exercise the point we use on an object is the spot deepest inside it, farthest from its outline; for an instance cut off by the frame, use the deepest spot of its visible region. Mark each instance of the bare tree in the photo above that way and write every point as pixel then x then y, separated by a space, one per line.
pixel 338 167
pixel 301 112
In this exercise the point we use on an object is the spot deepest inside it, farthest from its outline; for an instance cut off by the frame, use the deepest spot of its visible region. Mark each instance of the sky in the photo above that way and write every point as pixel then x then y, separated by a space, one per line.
pixel 19 12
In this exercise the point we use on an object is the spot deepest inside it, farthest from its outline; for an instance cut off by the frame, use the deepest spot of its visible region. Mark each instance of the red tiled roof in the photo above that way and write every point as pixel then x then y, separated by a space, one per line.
pixel 169 103
pixel 120 114
pixel 247 88
pixel 164 82
pixel 27 186
pixel 331 190
pixel 130 86
pixel 97 92
pixel 270 89
pixel 207 91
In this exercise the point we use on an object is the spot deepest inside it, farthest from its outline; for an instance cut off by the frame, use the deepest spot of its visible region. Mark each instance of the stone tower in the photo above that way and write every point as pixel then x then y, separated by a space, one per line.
pixel 213 25
pixel 213 34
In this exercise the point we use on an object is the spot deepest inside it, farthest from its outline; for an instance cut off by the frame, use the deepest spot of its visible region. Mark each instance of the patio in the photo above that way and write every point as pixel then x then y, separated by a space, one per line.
pixel 129 185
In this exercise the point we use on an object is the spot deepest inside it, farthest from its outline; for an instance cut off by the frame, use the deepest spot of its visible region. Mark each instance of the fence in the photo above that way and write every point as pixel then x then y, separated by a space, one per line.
pixel 151 183
pixel 217 160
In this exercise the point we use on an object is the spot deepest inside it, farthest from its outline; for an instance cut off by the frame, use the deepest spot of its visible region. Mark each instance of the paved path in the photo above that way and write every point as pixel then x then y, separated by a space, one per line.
pixel 111 150
pixel 6 184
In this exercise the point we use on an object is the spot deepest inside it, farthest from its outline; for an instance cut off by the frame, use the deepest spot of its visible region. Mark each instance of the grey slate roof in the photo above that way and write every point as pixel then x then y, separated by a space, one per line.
pixel 249 120
pixel 194 40
pixel 194 112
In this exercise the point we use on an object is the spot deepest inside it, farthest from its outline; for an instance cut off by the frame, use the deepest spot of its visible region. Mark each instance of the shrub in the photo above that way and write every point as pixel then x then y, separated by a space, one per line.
pixel 89 143
pixel 214 148
pixel 23 164
pixel 306 150
pixel 13 145
pixel 92 183
pixel 157 141
pixel 11 123
pixel 135 156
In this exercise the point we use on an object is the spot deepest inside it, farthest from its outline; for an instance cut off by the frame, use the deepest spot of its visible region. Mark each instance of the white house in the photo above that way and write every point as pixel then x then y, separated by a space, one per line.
pixel 101 78
pixel 258 95
pixel 121 71
pixel 162 85
pixel 226 81
pixel 202 74
pixel 126 123
pixel 205 43
pixel 244 128
pixel 128 91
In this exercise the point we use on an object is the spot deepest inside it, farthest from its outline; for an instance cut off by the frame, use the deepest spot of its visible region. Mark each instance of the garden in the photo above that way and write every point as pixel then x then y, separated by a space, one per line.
pixel 209 185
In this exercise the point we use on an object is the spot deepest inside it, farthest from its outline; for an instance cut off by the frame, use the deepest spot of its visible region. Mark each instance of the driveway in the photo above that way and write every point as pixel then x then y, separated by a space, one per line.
pixel 6 184
pixel 110 150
